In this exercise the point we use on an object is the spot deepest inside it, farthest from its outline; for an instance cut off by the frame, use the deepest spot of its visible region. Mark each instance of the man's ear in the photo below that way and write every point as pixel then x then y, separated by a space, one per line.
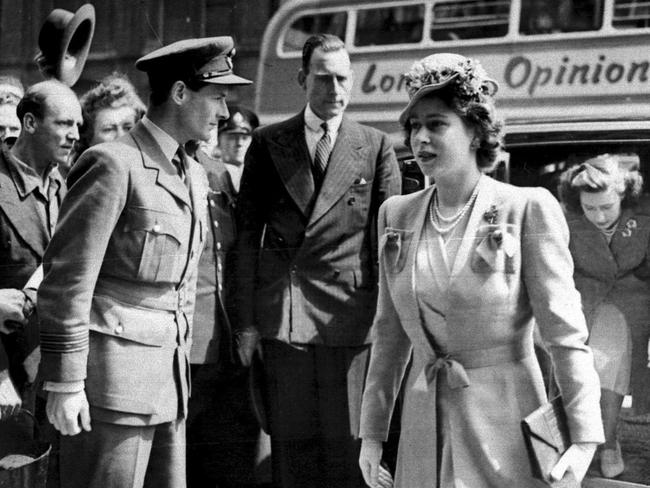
pixel 302 78
pixel 30 123
pixel 178 92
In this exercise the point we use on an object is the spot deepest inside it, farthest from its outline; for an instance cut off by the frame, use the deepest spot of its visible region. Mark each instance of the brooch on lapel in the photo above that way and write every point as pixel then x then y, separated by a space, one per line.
pixel 630 225
pixel 491 215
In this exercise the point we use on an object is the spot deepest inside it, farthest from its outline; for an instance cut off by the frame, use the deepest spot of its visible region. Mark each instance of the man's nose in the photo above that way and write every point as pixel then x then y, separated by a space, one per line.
pixel 73 133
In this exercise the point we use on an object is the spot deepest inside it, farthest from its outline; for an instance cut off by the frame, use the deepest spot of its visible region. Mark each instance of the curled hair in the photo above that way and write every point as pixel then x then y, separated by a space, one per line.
pixel 480 116
pixel 326 42
pixel 598 174
pixel 114 91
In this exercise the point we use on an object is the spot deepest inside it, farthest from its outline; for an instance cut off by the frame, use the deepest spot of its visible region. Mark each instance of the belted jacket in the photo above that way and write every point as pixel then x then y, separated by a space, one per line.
pixel 117 298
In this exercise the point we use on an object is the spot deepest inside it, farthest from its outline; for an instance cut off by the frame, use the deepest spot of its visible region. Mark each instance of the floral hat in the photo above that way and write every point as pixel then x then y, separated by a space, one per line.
pixel 439 70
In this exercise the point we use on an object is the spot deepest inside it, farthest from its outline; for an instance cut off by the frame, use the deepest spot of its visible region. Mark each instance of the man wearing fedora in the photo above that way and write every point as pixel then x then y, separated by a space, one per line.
pixel 117 299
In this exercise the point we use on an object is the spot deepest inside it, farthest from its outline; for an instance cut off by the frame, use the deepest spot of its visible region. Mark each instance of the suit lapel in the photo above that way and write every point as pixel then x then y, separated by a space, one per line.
pixel 341 169
pixel 23 214
pixel 290 156
pixel 155 160
pixel 589 241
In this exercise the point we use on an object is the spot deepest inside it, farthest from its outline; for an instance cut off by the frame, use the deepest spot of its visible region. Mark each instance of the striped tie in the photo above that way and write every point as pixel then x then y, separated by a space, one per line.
pixel 323 149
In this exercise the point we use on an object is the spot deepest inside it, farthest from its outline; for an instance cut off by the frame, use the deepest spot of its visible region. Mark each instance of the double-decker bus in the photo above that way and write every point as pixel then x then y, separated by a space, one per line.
pixel 574 79
pixel 574 75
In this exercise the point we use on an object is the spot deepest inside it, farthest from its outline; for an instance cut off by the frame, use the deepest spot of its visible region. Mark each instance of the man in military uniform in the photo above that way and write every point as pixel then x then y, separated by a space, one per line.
pixel 234 139
pixel 117 299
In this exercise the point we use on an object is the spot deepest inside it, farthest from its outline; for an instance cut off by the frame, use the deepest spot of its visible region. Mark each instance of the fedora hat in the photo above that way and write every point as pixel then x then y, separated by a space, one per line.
pixel 64 42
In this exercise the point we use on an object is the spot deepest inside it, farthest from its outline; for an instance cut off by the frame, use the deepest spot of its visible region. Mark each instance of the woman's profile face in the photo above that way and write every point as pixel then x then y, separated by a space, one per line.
pixel 440 139
pixel 602 208
pixel 111 123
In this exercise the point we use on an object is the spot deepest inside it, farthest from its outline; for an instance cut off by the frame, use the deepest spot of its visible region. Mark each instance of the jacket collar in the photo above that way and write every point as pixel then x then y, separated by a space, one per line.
pixel 154 159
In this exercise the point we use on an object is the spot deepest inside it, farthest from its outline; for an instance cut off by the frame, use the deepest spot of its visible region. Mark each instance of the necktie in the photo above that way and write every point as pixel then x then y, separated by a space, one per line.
pixel 179 161
pixel 323 149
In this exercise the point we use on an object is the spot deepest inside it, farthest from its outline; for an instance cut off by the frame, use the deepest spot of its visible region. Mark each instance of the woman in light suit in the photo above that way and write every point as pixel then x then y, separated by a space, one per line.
pixel 610 237
pixel 465 267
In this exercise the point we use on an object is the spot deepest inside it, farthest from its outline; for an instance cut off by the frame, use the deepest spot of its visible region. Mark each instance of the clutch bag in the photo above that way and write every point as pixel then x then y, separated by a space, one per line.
pixel 546 434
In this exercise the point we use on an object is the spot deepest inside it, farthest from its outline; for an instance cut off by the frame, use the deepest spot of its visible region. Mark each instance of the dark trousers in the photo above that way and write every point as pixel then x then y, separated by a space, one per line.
pixel 121 456
pixel 225 445
pixel 314 402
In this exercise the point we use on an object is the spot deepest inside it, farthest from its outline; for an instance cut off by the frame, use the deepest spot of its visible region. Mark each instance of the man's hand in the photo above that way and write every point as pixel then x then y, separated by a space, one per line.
pixel 10 401
pixel 12 302
pixel 68 412
pixel 247 342
pixel 577 457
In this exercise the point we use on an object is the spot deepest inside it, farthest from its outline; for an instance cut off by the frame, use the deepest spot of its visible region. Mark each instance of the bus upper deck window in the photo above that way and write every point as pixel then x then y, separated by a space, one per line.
pixel 307 25
pixel 631 14
pixel 391 25
pixel 469 19
pixel 550 16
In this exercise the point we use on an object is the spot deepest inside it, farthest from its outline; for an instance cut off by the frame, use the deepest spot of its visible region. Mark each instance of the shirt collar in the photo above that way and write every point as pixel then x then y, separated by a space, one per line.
pixel 26 178
pixel 167 143
pixel 313 121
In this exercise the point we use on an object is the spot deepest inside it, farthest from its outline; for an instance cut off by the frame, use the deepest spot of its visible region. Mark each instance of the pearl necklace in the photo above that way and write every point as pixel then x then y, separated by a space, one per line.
pixel 435 216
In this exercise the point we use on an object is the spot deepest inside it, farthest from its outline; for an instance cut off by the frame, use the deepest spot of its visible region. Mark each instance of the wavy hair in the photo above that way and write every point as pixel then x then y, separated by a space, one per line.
pixel 597 174
pixel 480 116
pixel 114 91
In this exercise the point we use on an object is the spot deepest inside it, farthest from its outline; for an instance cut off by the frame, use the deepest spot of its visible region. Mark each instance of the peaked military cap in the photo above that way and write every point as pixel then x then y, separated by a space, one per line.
pixel 241 121
pixel 207 59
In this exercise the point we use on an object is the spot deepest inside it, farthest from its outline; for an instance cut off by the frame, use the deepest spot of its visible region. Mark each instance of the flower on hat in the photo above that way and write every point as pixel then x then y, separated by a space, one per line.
pixel 465 75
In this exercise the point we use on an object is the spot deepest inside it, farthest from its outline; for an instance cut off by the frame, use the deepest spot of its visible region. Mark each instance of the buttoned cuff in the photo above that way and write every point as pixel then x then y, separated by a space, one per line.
pixel 66 387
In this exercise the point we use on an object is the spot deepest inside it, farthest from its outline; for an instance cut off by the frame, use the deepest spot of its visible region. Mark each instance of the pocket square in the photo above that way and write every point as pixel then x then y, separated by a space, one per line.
pixel 360 181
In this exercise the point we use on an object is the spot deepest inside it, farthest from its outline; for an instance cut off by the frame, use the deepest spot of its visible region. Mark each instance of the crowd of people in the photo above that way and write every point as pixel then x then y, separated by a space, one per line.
pixel 190 299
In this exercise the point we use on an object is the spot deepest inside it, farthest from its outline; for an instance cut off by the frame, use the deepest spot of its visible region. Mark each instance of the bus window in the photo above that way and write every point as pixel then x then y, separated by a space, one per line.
pixel 389 25
pixel 549 16
pixel 470 19
pixel 631 14
pixel 307 25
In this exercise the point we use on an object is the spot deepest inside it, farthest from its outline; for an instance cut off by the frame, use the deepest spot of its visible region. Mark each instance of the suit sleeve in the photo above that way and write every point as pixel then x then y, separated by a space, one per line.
pixel 72 261
pixel 389 357
pixel 548 276
pixel 250 226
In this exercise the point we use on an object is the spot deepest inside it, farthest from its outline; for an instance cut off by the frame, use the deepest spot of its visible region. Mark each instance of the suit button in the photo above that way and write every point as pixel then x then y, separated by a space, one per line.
pixel 218 246
pixel 211 203
pixel 336 273
pixel 119 329
pixel 219 267
pixel 216 224
pixel 156 228
pixel 351 201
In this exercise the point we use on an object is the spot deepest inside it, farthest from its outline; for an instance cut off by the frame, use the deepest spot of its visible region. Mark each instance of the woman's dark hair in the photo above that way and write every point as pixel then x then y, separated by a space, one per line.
pixel 479 115
pixel 600 173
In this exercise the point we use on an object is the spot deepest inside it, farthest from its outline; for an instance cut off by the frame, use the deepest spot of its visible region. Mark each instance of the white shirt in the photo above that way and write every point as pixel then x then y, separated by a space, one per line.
pixel 314 131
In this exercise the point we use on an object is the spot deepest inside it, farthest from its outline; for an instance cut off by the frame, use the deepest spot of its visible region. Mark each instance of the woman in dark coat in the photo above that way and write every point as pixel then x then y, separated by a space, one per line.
pixel 609 244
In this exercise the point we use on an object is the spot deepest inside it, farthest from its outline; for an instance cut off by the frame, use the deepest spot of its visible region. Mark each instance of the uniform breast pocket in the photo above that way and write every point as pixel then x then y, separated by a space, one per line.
pixel 162 242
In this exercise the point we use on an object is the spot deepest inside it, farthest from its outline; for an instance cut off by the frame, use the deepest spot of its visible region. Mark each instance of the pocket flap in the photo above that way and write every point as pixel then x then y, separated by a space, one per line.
pixel 155 222
pixel 149 327
pixel 121 403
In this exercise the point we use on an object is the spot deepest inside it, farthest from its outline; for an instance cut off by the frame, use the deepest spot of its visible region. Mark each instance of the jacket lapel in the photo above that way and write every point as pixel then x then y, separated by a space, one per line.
pixel 292 162
pixel 154 160
pixel 23 214
pixel 404 280
pixel 342 168
pixel 484 200
pixel 589 241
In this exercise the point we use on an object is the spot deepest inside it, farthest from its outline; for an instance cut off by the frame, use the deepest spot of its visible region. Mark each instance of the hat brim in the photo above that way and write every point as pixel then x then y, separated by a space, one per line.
pixel 429 89
pixel 70 75
pixel 421 93
pixel 227 80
